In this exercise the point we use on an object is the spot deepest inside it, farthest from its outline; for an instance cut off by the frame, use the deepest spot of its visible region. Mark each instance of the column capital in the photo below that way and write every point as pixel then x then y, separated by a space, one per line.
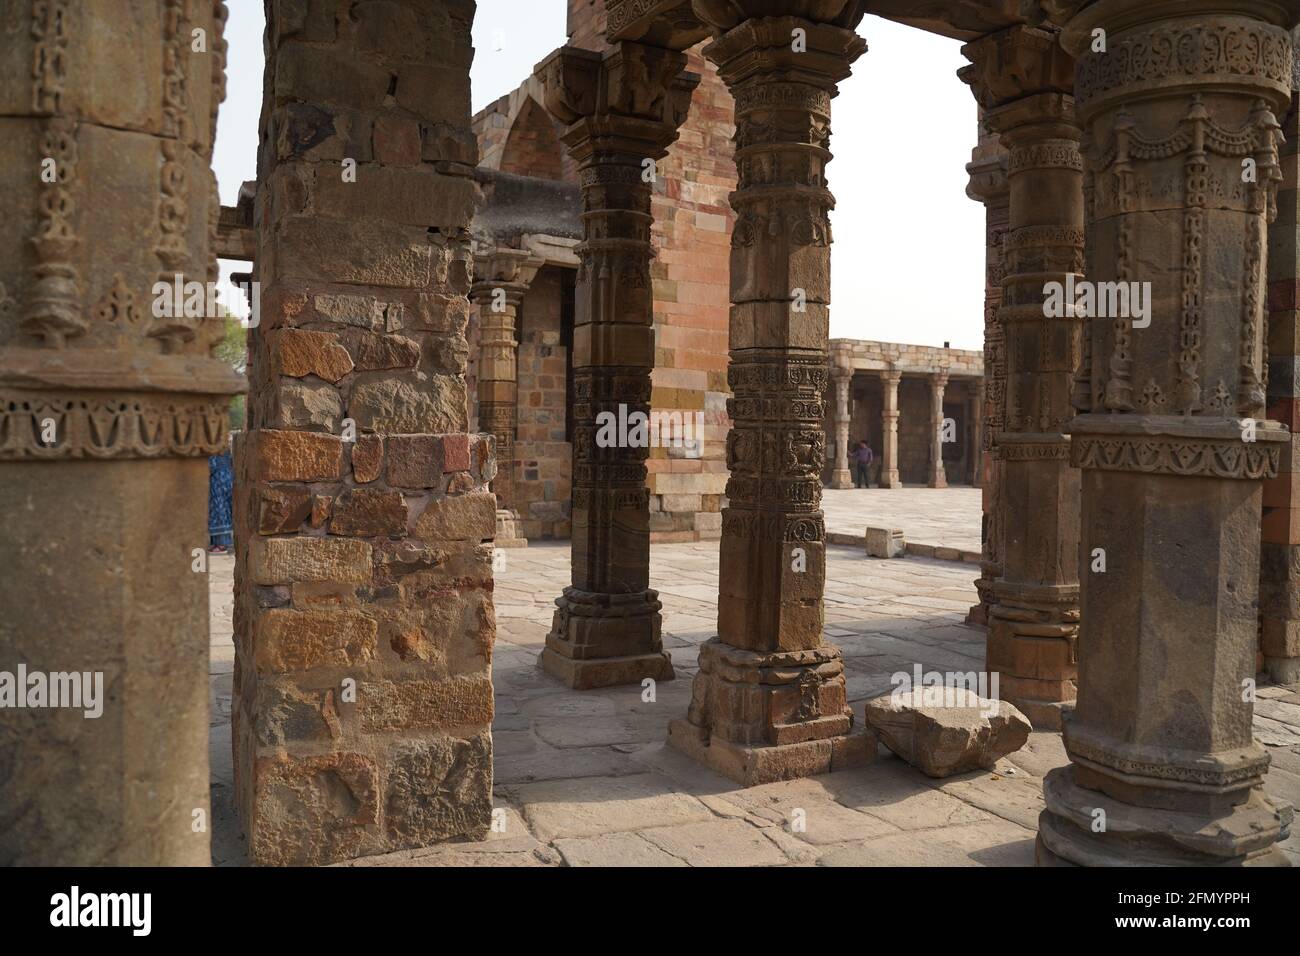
pixel 511 270
pixel 1014 64
pixel 724 15
pixel 891 376
pixel 629 100
pixel 757 48
pixel 938 379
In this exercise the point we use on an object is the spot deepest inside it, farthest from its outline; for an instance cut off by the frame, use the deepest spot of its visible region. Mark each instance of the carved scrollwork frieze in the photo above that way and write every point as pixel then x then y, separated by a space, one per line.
pixel 90 425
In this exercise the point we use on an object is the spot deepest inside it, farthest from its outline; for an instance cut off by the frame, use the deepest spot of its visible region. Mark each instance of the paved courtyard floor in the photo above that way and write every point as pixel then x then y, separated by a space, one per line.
pixel 584 778
pixel 943 517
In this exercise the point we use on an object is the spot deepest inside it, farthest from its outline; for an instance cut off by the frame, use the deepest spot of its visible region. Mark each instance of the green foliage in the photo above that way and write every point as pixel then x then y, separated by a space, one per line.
pixel 233 349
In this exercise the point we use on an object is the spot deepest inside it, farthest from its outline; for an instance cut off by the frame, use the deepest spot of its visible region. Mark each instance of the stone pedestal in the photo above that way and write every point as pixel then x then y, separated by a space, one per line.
pixel 364 621
pixel 502 277
pixel 1171 440
pixel 1022 79
pixel 769 702
pixel 889 476
pixel 842 476
pixel 623 111
pixel 109 407
pixel 938 476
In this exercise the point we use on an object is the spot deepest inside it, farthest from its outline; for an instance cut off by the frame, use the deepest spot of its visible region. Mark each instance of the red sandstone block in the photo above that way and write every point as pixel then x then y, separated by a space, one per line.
pixel 455 453
pixel 297 456
pixel 1286 411
pixel 1281 526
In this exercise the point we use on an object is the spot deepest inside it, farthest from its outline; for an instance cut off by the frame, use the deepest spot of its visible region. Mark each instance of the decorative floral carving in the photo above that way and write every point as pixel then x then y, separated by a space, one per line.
pixel 90 426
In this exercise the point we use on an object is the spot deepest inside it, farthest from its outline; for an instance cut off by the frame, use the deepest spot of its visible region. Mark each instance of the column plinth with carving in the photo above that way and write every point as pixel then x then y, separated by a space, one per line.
pixel 1022 78
pixel 623 111
pixel 938 477
pixel 1171 438
pixel 502 277
pixel 769 702
pixel 842 476
pixel 110 404
pixel 889 474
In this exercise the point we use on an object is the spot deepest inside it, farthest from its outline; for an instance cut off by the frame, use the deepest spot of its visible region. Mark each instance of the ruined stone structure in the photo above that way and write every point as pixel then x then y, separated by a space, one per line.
pixel 865 376
pixel 1137 476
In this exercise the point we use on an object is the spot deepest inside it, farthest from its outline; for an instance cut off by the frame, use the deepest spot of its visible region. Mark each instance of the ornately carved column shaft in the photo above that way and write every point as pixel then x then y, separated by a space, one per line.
pixel 843 477
pixel 110 405
pixel 938 477
pixel 1164 769
pixel 890 477
pixel 624 109
pixel 1022 77
pixel 769 702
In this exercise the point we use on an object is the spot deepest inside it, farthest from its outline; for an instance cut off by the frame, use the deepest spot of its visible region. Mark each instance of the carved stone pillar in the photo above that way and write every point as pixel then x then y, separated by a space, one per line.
pixel 988 184
pixel 938 477
pixel 1023 78
pixel 842 477
pixel 109 407
pixel 769 702
pixel 1171 439
pixel 502 277
pixel 889 475
pixel 623 111
pixel 977 444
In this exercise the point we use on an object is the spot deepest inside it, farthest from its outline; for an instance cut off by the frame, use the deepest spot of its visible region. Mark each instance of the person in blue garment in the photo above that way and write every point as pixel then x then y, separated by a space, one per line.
pixel 862 458
pixel 221 483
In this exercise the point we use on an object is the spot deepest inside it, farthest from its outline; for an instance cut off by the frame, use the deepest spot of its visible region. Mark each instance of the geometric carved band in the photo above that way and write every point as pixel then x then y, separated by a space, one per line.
pixel 87 425
pixel 1033 451
pixel 1177 456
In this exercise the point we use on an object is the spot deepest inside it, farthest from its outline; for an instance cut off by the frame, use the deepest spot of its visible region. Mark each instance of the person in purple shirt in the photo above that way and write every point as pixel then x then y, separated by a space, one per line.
pixel 862 458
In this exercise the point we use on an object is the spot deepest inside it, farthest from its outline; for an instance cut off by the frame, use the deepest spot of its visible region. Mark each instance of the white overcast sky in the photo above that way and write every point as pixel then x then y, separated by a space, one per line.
pixel 908 259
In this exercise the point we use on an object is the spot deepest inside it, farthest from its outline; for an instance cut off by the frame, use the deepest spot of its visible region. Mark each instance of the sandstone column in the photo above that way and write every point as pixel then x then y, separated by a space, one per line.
pixel 1171 439
pixel 842 477
pixel 889 475
pixel 109 407
pixel 988 184
pixel 363 619
pixel 977 433
pixel 1023 80
pixel 938 478
pixel 623 111
pixel 502 277
pixel 769 701
pixel 1279 571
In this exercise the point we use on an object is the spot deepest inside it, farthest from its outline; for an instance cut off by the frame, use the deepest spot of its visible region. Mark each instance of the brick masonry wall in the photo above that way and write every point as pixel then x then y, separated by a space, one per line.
pixel 364 618
pixel 544 472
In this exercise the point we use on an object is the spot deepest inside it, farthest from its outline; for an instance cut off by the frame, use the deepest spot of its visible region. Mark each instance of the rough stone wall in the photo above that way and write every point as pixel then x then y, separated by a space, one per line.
pixel 543 476
pixel 364 617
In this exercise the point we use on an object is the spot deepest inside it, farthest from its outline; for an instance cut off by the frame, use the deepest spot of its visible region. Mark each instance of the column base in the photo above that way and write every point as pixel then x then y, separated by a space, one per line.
pixel 1033 645
pixel 842 479
pixel 1283 670
pixel 937 483
pixel 507 533
pixel 757 716
pixel 603 640
pixel 890 479
pixel 1242 835
pixel 582 674
pixel 750 766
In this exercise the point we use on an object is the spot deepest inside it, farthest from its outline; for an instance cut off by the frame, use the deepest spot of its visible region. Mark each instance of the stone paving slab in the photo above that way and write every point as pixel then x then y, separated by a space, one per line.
pixel 585 778
pixel 941 517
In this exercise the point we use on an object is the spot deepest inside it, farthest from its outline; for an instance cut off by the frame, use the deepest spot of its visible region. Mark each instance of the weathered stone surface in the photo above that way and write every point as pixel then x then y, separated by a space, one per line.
pixel 407 403
pixel 297 456
pixel 373 351
pixel 415 461
pixel 309 407
pixel 362 513
pixel 563 808
pixel 312 810
pixel 401 705
pixel 286 560
pixel 368 459
pixel 944 731
pixel 300 353
pixel 440 789
pixel 469 517
pixel 885 543
pixel 303 640
pixel 282 510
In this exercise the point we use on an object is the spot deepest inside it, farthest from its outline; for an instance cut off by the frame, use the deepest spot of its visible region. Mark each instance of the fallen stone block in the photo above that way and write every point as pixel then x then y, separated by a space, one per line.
pixel 885 543
pixel 964 733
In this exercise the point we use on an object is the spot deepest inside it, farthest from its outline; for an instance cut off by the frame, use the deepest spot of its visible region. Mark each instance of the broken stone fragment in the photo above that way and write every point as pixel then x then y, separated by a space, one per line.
pixel 968 733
